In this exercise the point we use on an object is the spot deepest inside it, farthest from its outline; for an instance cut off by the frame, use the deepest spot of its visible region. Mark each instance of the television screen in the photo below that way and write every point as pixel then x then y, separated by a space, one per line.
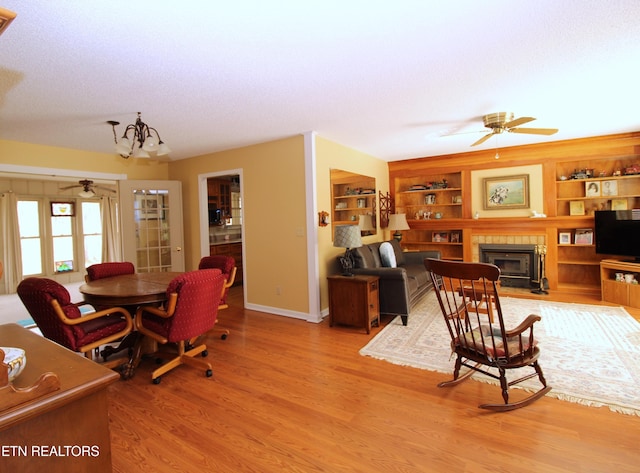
pixel 618 233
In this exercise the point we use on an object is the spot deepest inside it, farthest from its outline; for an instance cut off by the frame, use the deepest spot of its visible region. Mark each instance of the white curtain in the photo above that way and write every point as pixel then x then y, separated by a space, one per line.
pixel 10 253
pixel 111 247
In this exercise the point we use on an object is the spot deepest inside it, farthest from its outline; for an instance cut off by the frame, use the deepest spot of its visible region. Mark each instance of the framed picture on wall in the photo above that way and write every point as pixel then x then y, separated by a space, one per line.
pixel 618 204
pixel 592 189
pixel 609 188
pixel 506 192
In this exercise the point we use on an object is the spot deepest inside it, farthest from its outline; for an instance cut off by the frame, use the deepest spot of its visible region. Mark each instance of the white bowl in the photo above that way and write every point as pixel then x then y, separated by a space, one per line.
pixel 16 358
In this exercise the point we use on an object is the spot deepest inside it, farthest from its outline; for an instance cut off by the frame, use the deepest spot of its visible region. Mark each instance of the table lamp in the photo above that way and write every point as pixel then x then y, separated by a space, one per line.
pixel 398 222
pixel 365 223
pixel 347 236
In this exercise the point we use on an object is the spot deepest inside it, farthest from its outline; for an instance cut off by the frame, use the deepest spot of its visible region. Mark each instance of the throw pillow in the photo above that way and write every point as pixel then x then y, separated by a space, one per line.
pixel 387 255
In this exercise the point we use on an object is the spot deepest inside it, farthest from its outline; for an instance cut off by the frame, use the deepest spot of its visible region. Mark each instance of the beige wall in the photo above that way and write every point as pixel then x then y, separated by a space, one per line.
pixel 274 216
pixel 27 154
pixel 330 155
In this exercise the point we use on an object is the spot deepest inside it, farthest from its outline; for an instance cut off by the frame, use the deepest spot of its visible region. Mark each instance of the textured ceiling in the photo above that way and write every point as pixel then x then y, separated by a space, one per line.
pixel 386 78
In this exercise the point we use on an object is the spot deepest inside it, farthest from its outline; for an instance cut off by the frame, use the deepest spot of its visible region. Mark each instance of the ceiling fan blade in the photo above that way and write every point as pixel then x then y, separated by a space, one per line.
pixel 483 139
pixel 534 131
pixel 69 187
pixel 518 121
pixel 103 189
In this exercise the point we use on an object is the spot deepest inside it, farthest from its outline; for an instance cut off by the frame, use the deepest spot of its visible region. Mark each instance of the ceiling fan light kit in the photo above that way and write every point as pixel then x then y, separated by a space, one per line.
pixel 88 188
pixel 500 122
pixel 138 140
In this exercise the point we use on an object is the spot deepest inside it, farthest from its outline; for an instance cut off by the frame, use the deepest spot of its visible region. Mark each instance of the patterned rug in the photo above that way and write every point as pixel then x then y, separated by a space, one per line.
pixel 589 354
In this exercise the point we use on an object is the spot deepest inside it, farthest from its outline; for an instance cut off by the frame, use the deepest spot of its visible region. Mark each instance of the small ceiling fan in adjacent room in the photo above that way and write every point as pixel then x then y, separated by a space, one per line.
pixel 88 188
pixel 504 122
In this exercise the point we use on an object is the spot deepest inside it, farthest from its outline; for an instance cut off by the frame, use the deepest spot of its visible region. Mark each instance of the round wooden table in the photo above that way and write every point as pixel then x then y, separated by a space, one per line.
pixel 128 289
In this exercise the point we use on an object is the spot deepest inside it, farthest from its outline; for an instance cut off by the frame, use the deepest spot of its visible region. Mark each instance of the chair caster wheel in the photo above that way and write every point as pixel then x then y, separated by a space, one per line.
pixel 209 373
pixel 156 380
pixel 204 353
pixel 223 336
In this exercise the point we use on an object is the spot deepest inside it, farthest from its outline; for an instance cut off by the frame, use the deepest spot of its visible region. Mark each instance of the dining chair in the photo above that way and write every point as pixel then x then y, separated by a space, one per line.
pixel 190 311
pixel 60 320
pixel 226 264
pixel 109 269
pixel 480 338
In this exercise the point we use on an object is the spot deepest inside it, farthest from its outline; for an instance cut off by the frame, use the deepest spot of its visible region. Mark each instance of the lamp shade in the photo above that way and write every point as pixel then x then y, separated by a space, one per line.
pixel 398 222
pixel 347 236
pixel 365 223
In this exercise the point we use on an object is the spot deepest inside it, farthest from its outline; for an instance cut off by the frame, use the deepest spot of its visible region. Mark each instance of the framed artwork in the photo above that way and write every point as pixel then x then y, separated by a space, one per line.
pixel 576 207
pixel 592 189
pixel 584 236
pixel 506 192
pixel 609 188
pixel 455 236
pixel 62 209
pixel 618 204
pixel 564 238
pixel 440 237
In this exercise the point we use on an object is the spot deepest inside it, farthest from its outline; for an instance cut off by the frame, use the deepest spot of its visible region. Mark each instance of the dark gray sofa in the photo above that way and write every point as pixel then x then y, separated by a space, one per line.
pixel 400 287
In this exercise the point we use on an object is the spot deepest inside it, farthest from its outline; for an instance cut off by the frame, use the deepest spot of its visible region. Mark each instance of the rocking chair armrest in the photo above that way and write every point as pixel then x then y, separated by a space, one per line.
pixel 526 324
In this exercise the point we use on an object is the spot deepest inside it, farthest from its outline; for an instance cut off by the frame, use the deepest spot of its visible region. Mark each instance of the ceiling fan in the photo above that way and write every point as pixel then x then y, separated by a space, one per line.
pixel 503 121
pixel 88 188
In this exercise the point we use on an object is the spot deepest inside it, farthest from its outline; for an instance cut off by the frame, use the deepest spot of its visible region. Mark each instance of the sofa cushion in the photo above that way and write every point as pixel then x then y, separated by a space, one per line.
pixel 397 249
pixel 417 274
pixel 387 255
pixel 363 258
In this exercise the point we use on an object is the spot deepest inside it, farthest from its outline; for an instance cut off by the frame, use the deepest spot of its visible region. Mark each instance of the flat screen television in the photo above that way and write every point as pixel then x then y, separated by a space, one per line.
pixel 617 233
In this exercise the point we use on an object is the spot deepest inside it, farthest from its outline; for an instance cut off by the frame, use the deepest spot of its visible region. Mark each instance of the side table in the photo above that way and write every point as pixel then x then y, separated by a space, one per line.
pixel 354 300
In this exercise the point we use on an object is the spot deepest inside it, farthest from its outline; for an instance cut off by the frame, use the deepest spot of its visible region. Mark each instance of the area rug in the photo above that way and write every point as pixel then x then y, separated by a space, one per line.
pixel 589 354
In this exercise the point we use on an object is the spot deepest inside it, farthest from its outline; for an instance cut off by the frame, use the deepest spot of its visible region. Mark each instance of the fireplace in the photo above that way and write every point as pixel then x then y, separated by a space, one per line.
pixel 518 263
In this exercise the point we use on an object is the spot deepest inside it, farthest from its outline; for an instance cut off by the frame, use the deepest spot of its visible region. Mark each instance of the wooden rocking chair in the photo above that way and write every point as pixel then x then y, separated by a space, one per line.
pixel 479 343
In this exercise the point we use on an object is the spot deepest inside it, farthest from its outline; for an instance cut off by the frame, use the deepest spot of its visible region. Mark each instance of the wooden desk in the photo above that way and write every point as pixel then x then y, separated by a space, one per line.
pixel 128 289
pixel 72 419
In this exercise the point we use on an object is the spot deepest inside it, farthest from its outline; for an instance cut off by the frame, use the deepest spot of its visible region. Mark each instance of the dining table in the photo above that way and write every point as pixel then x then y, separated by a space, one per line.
pixel 129 291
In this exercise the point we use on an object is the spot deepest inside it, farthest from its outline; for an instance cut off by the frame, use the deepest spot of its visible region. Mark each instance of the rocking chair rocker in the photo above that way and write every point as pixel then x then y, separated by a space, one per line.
pixel 479 343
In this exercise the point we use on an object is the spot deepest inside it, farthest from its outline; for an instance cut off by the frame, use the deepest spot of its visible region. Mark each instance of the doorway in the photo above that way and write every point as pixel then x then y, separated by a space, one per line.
pixel 222 217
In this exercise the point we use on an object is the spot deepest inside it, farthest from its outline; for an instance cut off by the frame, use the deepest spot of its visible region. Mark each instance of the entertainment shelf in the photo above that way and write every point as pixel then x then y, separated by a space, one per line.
pixel 619 292
pixel 565 171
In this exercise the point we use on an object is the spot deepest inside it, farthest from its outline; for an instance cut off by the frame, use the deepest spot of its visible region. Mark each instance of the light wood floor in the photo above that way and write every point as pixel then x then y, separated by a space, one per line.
pixel 292 396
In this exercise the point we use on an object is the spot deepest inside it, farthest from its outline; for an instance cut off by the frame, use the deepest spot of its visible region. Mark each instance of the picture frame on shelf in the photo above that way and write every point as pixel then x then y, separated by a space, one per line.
pixel 618 204
pixel 584 236
pixel 609 188
pixel 576 207
pixel 506 192
pixel 455 236
pixel 440 237
pixel 592 189
pixel 564 238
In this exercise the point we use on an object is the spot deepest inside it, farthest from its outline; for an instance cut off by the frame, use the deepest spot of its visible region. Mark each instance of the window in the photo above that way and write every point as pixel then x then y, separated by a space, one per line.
pixel 60 244
pixel 92 232
pixel 30 241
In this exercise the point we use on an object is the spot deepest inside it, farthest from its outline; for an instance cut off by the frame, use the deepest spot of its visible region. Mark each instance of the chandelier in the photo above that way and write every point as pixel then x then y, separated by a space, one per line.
pixel 139 140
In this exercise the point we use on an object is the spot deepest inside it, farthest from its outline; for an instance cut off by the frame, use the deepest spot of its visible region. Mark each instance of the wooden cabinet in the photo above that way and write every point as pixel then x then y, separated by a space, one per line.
pixel 230 249
pixel 64 430
pixel 219 195
pixel 430 196
pixel 619 292
pixel 433 206
pixel 352 195
pixel 354 300
pixel 563 177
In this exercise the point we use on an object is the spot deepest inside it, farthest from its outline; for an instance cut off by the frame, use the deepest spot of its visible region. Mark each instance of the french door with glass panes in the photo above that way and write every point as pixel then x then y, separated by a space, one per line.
pixel 152 237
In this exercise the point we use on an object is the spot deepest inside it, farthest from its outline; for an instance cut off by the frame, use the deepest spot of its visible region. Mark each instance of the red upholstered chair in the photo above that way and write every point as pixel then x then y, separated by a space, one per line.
pixel 226 264
pixel 60 320
pixel 107 270
pixel 191 310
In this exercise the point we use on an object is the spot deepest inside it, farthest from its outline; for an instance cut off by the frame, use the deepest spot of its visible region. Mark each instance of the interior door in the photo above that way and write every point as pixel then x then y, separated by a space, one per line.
pixel 151 219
